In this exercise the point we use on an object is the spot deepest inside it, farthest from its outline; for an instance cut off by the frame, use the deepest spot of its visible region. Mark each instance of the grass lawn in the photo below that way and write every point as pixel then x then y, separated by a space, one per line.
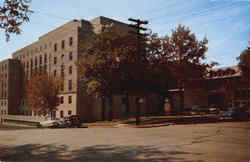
pixel 149 120
pixel 13 127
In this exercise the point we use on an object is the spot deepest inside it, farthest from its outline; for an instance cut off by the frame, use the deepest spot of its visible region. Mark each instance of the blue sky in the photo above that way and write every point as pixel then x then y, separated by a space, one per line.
pixel 225 23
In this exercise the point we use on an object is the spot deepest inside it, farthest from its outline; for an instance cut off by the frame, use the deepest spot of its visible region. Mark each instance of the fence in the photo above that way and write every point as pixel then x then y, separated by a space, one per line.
pixel 24 118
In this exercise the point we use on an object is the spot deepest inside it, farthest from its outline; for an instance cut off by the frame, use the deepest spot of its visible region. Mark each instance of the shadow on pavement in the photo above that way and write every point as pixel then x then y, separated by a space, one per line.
pixel 53 153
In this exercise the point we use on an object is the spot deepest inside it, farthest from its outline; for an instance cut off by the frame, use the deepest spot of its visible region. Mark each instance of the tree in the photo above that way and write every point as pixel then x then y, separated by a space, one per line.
pixel 244 63
pixel 185 57
pixel 13 13
pixel 42 93
pixel 111 64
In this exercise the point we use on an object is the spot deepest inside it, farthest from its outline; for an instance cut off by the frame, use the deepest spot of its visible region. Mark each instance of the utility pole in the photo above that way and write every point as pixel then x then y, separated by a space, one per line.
pixel 138 34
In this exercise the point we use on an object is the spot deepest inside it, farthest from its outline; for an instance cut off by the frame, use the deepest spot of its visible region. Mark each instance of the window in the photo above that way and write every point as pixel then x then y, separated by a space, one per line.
pixel 70 85
pixel 61 114
pixel 55 47
pixel 244 93
pixel 70 41
pixel 70 99
pixel 45 58
pixel 54 73
pixel 237 94
pixel 63 44
pixel 70 56
pixel 41 59
pixel 62 57
pixel 70 69
pixel 69 112
pixel 62 87
pixel 62 70
pixel 35 61
pixel 31 63
pixel 45 68
pixel 55 60
pixel 62 99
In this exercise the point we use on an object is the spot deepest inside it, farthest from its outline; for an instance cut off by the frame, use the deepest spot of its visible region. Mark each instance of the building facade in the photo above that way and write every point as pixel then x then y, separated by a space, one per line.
pixel 57 53
pixel 223 87
pixel 10 86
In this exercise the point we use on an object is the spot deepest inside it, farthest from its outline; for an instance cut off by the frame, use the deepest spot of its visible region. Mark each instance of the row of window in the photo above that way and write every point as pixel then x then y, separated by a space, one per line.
pixel 3 67
pixel 62 71
pixel 69 85
pixel 63 44
pixel 45 47
pixel 69 99
pixel 70 57
pixel 3 112
pixel 220 73
pixel 3 103
pixel 245 93
pixel 242 103
pixel 62 113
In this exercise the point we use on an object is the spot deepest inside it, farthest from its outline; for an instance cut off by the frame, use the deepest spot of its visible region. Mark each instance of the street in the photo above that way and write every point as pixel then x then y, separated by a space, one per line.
pixel 222 142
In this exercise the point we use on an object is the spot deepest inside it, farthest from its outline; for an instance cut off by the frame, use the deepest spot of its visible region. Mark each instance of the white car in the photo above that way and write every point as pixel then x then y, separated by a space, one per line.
pixel 48 123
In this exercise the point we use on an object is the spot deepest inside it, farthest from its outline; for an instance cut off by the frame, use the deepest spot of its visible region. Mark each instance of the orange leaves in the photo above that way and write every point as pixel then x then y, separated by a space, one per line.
pixel 42 93
pixel 186 54
pixel 12 14
pixel 244 63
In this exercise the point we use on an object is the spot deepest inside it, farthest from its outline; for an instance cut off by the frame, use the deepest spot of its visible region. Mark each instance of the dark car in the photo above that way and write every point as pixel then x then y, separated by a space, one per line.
pixel 67 122
pixel 199 110
pixel 236 114
pixel 73 121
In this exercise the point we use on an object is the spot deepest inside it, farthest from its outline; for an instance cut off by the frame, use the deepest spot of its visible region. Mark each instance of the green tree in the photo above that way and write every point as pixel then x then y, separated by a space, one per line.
pixel 244 63
pixel 13 13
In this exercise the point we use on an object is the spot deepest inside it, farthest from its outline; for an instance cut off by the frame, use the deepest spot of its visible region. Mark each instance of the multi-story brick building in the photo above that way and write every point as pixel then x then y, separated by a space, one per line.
pixel 56 53
pixel 10 86
pixel 223 87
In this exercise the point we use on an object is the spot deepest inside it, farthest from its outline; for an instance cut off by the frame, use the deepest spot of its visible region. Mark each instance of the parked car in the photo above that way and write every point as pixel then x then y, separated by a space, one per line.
pixel 66 122
pixel 213 109
pixel 48 123
pixel 234 113
pixel 198 110
pixel 73 121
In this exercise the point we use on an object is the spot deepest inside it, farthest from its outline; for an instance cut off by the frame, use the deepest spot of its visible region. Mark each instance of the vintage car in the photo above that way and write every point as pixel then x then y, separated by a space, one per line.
pixel 234 114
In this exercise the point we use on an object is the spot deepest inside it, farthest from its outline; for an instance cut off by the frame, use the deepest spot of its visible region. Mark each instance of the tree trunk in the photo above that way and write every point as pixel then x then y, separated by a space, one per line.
pixel 138 109
pixel 127 105
pixel 181 95
pixel 103 108
pixel 181 101
pixel 110 116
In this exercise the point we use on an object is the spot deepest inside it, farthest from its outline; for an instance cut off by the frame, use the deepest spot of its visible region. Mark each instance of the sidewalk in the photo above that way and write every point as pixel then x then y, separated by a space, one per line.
pixel 155 121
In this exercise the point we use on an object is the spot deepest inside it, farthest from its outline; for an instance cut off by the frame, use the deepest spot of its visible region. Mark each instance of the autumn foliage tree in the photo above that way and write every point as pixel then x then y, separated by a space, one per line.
pixel 185 56
pixel 111 64
pixel 13 13
pixel 42 93
pixel 244 63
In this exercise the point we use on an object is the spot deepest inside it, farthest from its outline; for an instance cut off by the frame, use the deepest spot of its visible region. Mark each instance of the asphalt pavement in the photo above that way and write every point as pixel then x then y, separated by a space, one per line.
pixel 222 142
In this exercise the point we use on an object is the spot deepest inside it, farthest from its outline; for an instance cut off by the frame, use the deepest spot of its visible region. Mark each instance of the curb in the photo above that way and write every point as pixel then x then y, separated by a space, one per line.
pixel 152 126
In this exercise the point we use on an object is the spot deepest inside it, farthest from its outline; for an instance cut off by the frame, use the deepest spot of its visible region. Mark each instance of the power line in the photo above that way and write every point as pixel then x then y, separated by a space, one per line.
pixel 53 15
pixel 197 13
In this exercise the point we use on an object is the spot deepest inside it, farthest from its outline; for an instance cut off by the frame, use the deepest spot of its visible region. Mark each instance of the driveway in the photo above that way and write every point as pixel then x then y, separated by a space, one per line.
pixel 222 142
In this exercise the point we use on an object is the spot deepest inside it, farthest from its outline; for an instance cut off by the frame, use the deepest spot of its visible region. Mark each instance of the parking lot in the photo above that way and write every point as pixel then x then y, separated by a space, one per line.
pixel 226 141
